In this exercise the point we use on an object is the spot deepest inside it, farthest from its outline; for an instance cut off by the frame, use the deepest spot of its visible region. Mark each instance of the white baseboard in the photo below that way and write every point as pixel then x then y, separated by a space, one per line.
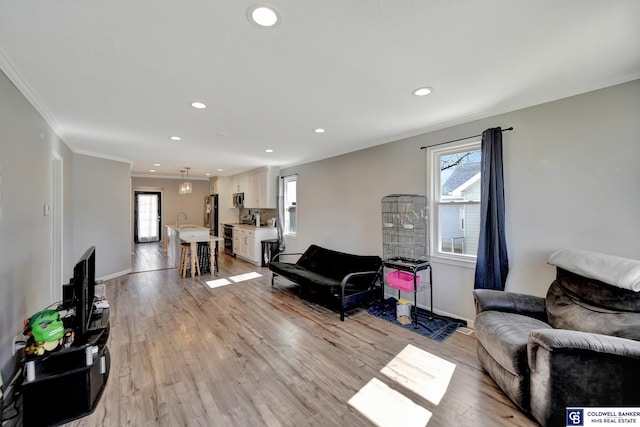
pixel 464 330
pixel 114 275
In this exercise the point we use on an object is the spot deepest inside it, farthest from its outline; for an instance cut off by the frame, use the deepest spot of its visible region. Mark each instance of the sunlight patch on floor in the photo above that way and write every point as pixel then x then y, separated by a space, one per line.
pixel 385 407
pixel 421 372
pixel 417 370
pixel 217 283
pixel 233 279
pixel 246 276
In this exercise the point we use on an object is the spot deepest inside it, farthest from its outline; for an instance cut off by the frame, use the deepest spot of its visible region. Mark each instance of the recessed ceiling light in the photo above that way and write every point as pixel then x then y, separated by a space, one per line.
pixel 198 105
pixel 422 91
pixel 268 150
pixel 152 170
pixel 157 164
pixel 220 170
pixel 175 138
pixel 319 130
pixel 207 174
pixel 263 15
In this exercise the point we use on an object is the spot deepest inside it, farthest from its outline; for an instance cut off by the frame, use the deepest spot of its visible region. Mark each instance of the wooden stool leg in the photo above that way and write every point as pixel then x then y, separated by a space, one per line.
pixel 181 264
pixel 195 265
pixel 185 261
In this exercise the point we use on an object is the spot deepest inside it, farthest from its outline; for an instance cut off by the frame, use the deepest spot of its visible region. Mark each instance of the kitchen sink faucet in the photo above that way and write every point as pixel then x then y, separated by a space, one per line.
pixel 178 218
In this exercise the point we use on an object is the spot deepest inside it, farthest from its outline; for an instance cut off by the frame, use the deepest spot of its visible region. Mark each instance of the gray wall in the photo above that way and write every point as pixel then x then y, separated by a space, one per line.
pixel 28 148
pixel 93 210
pixel 102 213
pixel 571 179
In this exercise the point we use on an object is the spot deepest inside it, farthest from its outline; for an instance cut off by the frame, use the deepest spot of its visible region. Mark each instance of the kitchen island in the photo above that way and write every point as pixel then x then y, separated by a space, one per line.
pixel 193 234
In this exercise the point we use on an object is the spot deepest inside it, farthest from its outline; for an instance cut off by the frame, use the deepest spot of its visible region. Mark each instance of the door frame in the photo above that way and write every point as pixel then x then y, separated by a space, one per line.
pixel 157 192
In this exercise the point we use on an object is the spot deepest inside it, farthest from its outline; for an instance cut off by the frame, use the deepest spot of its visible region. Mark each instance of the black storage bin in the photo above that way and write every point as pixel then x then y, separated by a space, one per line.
pixel 270 248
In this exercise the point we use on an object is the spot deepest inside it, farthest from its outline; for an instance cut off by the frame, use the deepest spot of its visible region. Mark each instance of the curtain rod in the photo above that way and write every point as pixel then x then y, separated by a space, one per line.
pixel 460 139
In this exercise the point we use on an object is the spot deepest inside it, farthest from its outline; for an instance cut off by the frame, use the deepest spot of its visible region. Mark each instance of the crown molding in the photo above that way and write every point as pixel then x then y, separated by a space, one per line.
pixel 21 84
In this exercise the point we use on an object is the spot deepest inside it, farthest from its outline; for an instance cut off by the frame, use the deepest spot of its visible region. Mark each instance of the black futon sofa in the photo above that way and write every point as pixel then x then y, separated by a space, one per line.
pixel 341 279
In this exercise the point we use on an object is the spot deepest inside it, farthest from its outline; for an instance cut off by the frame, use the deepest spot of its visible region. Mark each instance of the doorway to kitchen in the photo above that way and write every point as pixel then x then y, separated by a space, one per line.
pixel 147 224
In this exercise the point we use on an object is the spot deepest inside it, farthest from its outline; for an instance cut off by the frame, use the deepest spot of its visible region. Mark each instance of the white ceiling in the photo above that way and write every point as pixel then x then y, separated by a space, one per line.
pixel 116 78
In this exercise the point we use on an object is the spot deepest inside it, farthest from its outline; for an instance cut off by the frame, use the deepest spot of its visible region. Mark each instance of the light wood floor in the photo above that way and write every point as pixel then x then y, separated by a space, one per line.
pixel 149 257
pixel 183 354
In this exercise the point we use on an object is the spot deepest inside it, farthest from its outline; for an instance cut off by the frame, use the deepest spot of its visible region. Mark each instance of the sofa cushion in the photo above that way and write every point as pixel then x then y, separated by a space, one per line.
pixel 336 265
pixel 598 293
pixel 505 337
pixel 566 310
pixel 302 275
pixel 516 387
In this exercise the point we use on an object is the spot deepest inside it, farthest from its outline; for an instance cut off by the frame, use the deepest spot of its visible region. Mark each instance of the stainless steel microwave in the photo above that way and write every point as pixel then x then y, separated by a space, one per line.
pixel 238 200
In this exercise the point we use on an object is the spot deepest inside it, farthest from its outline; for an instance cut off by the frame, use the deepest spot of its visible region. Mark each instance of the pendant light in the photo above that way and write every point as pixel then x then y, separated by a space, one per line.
pixel 181 186
pixel 185 186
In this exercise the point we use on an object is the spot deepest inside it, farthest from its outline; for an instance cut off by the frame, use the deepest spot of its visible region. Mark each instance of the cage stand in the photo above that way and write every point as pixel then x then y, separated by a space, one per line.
pixel 413 267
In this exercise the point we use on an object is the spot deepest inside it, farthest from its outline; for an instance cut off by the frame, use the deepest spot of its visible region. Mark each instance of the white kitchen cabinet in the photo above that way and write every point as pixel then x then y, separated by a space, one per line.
pixel 267 188
pixel 242 185
pixel 251 191
pixel 250 241
pixel 239 242
pixel 260 187
pixel 247 242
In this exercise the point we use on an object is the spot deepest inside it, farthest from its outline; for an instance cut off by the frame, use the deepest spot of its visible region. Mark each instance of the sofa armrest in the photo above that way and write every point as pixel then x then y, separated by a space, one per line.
pixel 350 276
pixel 278 255
pixel 510 302
pixel 347 279
pixel 580 369
pixel 556 340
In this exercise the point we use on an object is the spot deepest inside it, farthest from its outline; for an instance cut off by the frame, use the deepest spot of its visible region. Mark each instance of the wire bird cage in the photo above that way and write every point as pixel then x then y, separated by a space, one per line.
pixel 405 228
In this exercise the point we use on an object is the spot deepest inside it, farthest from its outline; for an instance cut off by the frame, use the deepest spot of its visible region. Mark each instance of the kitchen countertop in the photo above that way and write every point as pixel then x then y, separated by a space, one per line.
pixel 252 227
pixel 202 239
pixel 187 227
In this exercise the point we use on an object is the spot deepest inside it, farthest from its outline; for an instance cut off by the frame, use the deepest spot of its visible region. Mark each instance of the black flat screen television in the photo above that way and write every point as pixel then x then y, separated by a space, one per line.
pixel 84 284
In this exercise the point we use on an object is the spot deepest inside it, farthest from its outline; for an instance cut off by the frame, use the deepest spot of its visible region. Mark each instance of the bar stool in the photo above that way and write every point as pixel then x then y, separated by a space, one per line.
pixel 193 256
pixel 185 260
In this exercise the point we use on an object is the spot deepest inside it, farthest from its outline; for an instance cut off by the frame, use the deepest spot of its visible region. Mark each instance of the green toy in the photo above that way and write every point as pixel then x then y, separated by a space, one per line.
pixel 46 326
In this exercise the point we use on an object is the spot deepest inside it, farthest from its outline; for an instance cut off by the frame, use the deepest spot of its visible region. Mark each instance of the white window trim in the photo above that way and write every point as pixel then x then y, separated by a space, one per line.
pixel 433 174
pixel 289 234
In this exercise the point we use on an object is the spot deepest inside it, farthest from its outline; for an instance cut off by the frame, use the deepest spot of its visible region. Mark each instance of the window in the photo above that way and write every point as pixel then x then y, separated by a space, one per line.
pixel 290 205
pixel 454 171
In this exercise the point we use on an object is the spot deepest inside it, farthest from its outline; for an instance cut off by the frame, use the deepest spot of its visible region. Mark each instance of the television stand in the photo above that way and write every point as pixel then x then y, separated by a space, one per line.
pixel 66 384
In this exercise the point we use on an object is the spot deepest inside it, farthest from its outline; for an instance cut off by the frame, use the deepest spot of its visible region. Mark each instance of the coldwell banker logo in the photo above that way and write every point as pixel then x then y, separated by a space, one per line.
pixel 575 417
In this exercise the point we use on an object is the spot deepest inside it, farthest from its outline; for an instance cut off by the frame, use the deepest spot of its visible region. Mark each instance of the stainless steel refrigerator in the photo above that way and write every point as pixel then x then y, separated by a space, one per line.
pixel 211 214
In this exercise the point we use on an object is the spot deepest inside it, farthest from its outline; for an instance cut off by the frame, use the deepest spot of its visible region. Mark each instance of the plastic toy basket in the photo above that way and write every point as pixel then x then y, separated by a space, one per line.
pixel 402 280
